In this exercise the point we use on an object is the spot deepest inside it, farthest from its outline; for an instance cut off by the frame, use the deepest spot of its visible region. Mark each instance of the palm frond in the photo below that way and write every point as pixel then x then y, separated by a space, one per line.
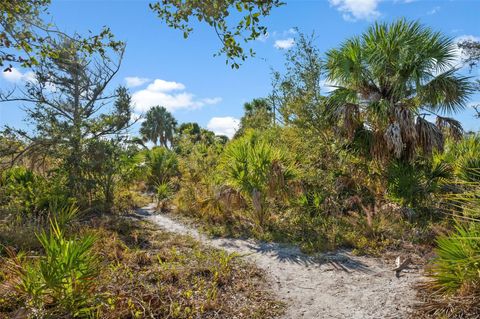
pixel 458 261
pixel 446 92
pixel 452 126
pixel 392 71
pixel 429 136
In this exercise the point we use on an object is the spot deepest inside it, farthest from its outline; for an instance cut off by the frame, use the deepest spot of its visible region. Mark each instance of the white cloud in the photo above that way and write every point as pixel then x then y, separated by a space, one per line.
pixel 13 75
pixel 284 44
pixel 433 11
pixel 224 125
pixel 29 77
pixel 354 10
pixel 161 92
pixel 278 34
pixel 16 76
pixel 133 81
pixel 284 33
pixel 165 86
pixel 209 100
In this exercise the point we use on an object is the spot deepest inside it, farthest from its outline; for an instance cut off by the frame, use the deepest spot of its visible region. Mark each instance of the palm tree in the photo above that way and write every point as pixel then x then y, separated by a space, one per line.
pixel 259 115
pixel 159 126
pixel 388 80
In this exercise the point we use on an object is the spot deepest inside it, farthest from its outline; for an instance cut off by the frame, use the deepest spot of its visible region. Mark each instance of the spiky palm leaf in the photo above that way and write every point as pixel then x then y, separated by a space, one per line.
pixel 257 171
pixel 391 72
pixel 162 165
pixel 458 259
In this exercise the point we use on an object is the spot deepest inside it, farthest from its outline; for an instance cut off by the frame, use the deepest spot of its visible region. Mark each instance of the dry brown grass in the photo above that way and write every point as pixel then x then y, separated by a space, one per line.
pixel 435 305
pixel 148 273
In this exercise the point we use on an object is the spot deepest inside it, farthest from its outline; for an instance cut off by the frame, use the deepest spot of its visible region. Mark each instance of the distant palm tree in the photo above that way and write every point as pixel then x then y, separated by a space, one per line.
pixel 388 79
pixel 259 115
pixel 159 126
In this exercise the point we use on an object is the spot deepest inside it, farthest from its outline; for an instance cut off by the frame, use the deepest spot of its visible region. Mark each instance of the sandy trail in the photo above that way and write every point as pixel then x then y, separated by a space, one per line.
pixel 334 285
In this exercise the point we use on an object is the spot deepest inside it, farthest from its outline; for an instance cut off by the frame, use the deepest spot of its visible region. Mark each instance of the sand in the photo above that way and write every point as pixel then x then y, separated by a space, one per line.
pixel 328 285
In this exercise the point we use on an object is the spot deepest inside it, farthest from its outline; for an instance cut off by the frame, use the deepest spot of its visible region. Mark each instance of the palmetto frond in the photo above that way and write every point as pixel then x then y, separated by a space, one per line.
pixel 257 171
pixel 391 72
pixel 446 92
pixel 346 66
pixel 342 105
pixel 457 264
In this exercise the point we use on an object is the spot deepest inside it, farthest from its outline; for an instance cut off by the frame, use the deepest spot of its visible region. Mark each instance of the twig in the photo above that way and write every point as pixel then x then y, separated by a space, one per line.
pixel 401 266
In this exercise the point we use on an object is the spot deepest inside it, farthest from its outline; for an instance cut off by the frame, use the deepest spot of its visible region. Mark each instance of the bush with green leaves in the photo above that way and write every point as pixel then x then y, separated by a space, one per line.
pixel 29 196
pixel 162 166
pixel 197 193
pixel 457 266
pixel 413 184
pixel 454 288
pixel 112 166
pixel 259 171
pixel 164 192
pixel 17 186
pixel 463 156
pixel 61 282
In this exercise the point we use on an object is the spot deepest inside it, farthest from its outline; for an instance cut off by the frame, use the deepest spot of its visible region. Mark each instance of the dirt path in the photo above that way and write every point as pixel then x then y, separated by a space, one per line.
pixel 336 285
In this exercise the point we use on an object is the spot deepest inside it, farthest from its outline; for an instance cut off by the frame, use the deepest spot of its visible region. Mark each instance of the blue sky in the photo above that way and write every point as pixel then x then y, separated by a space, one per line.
pixel 163 68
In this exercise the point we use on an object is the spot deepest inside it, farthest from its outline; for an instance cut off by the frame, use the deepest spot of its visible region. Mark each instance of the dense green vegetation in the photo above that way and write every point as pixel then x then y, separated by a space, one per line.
pixel 362 167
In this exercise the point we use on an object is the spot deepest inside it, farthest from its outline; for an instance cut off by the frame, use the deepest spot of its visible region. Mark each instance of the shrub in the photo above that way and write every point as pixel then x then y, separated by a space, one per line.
pixel 412 185
pixel 197 194
pixel 127 200
pixel 454 288
pixel 162 165
pixel 457 266
pixel 258 171
pixel 60 282
pixel 164 194
pixel 29 196
pixel 463 156
pixel 18 189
